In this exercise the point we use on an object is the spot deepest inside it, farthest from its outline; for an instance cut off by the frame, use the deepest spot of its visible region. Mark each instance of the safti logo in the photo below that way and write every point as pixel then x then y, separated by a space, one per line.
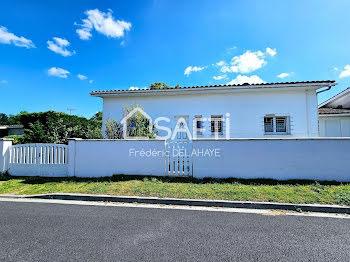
pixel 127 120
pixel 219 126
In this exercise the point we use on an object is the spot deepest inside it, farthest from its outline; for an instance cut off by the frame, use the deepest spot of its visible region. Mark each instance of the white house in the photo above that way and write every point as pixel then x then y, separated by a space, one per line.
pixel 334 115
pixel 286 109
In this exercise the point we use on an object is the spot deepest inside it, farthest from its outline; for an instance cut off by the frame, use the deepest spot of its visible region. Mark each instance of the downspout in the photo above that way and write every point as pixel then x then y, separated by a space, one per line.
pixel 319 92
pixel 324 90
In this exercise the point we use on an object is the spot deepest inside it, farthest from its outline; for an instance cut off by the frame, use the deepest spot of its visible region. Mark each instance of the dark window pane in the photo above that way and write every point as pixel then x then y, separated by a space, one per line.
pixel 281 124
pixel 216 124
pixel 268 124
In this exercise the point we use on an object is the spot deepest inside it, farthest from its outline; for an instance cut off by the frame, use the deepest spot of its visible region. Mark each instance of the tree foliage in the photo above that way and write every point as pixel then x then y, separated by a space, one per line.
pixel 55 127
pixel 113 129
pixel 97 116
pixel 3 119
pixel 11 119
pixel 160 85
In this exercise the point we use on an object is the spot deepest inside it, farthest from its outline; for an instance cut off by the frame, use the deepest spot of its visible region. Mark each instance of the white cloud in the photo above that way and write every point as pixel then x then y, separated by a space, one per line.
pixel 4 82
pixel 335 68
pixel 9 38
pixel 59 46
pixel 103 23
pixel 240 79
pixel 245 63
pixel 345 72
pixel 283 75
pixel 191 69
pixel 134 88
pixel 271 51
pixel 59 72
pixel 220 77
pixel 84 34
pixel 82 77
pixel 220 63
pixel 91 81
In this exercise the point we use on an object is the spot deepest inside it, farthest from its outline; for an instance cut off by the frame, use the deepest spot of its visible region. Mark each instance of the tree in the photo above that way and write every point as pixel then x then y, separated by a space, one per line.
pixel 160 85
pixel 37 134
pixel 97 116
pixel 3 119
pixel 56 127
pixel 114 130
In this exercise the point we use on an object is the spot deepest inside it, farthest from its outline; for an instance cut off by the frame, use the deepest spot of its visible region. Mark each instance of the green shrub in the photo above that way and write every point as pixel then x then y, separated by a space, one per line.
pixel 17 139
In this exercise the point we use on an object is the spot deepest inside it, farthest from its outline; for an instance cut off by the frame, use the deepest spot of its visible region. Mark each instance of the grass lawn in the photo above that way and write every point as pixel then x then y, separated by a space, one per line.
pixel 228 189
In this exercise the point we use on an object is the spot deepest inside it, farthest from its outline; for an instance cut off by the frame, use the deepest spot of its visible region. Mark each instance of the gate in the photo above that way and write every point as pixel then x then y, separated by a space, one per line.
pixel 38 160
pixel 179 159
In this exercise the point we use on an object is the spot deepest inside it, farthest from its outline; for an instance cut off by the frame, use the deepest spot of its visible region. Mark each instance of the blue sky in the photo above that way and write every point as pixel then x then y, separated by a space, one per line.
pixel 123 44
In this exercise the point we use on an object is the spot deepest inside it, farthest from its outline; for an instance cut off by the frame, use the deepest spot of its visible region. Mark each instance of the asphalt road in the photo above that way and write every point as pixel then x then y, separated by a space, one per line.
pixel 54 232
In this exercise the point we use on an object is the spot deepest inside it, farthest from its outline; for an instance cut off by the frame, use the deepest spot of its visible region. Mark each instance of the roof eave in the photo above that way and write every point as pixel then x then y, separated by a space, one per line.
pixel 312 85
pixel 337 96
pixel 335 114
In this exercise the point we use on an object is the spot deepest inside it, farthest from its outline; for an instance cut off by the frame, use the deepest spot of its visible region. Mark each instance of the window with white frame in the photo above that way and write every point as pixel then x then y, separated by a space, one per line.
pixel 216 124
pixel 276 124
pixel 198 125
pixel 281 124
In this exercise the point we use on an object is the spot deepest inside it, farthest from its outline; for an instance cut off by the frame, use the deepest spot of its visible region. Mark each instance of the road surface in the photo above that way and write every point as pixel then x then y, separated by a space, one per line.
pixel 55 232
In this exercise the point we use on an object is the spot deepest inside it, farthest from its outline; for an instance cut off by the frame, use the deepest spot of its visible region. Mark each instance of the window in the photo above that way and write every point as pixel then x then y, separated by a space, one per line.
pixel 281 124
pixel 216 124
pixel 182 122
pixel 276 124
pixel 182 132
pixel 198 125
pixel 268 124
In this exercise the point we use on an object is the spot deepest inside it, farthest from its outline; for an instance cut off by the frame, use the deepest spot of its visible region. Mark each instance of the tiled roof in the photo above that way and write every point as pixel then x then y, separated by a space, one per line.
pixel 333 111
pixel 246 85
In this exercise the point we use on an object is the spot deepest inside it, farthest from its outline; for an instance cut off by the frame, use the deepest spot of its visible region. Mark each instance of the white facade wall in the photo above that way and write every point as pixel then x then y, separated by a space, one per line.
pixel 246 109
pixel 334 126
pixel 314 159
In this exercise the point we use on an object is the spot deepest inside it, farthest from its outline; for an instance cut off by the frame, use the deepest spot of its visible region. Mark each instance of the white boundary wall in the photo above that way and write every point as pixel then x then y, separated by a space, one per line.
pixel 5 144
pixel 294 158
pixel 315 159
pixel 96 158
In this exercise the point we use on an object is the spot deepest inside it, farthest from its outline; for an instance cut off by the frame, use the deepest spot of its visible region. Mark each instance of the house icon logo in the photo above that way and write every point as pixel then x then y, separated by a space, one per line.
pixel 127 121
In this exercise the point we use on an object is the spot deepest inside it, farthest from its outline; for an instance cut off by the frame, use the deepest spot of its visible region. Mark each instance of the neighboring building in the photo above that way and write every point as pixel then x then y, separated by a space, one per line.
pixel 7 130
pixel 255 111
pixel 334 115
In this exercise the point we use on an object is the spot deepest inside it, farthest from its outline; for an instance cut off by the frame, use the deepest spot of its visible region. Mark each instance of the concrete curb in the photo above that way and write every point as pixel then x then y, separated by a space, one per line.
pixel 191 202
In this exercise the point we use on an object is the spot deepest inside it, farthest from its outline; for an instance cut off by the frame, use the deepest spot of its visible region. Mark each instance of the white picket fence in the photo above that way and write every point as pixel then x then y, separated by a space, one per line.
pixel 178 159
pixel 38 160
